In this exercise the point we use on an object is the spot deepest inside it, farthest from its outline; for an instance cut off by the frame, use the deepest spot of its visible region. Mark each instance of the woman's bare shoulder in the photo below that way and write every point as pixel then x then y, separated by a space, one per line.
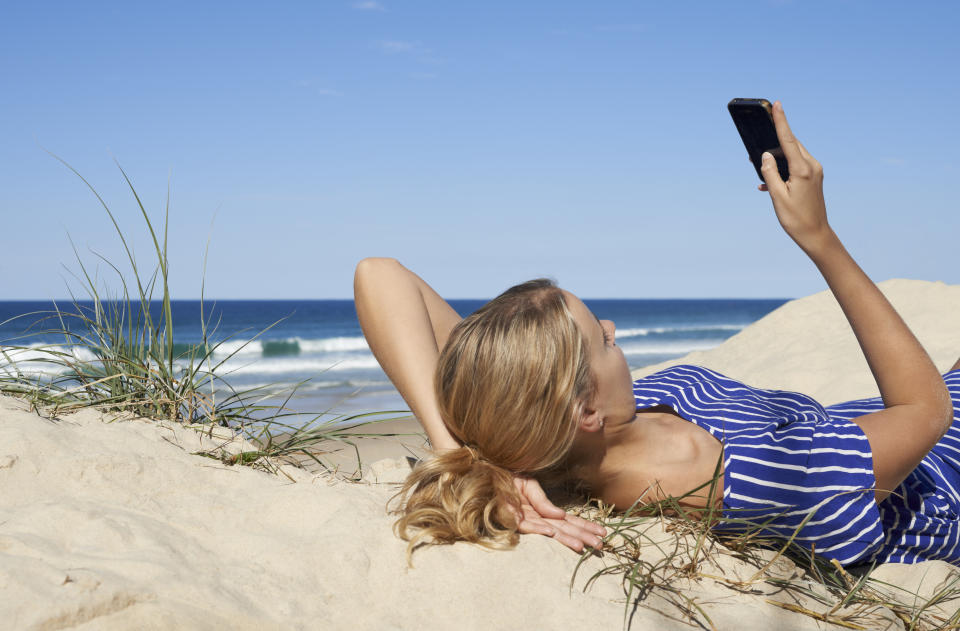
pixel 666 456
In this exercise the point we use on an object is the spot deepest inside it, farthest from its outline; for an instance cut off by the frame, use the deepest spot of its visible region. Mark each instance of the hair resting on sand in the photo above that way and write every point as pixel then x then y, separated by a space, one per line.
pixel 511 383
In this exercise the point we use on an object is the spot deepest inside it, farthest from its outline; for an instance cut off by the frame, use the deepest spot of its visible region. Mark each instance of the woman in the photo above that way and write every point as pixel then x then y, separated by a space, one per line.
pixel 532 387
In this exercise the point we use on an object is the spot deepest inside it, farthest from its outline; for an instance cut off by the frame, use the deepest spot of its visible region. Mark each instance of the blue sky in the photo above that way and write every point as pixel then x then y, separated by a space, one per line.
pixel 480 143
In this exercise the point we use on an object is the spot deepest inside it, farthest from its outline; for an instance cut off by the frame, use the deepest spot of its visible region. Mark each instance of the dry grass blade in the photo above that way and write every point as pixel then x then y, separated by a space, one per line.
pixel 663 548
pixel 117 351
pixel 817 616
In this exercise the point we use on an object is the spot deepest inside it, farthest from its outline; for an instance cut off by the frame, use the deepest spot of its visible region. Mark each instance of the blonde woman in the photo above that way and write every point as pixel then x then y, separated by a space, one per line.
pixel 533 388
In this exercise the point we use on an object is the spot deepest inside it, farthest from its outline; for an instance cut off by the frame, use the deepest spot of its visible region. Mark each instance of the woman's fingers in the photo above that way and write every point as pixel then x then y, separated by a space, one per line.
pixel 585 524
pixel 587 532
pixel 541 516
pixel 817 169
pixel 568 533
pixel 571 541
pixel 798 202
pixel 771 175
pixel 533 493
pixel 788 142
pixel 535 526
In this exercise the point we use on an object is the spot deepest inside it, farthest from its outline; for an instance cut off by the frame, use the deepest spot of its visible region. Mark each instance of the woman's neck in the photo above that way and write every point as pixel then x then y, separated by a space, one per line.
pixel 589 459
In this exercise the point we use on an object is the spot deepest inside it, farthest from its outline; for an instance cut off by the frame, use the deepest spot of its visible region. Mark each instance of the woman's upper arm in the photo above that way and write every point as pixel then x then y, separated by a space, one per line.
pixel 899 437
pixel 406 323
pixel 442 316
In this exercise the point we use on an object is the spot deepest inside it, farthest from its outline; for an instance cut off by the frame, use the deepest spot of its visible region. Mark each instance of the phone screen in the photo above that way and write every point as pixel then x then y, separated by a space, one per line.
pixel 754 121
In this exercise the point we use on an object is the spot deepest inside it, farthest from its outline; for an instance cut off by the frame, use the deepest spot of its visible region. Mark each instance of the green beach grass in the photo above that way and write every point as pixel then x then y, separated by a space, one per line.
pixel 130 363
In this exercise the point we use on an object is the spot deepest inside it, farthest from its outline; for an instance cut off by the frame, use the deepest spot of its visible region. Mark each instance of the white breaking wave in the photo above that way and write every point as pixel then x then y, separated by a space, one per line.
pixel 238 348
pixel 40 359
pixel 641 331
pixel 333 344
pixel 680 347
pixel 244 348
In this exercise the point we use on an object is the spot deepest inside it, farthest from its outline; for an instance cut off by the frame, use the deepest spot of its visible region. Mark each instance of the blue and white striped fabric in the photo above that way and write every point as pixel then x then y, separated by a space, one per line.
pixel 807 471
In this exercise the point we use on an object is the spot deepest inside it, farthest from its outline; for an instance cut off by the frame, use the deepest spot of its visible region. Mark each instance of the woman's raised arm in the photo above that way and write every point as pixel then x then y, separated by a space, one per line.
pixel 406 323
pixel 917 404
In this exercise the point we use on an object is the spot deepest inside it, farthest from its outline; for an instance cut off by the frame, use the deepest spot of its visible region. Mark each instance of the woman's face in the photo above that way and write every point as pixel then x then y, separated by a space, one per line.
pixel 614 397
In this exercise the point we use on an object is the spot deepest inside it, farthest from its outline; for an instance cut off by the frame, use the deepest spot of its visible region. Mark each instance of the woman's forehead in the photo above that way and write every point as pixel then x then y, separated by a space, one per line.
pixel 581 313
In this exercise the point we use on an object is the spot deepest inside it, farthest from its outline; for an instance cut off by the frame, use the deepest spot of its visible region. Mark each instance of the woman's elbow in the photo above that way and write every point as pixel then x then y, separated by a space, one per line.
pixel 939 411
pixel 373 264
pixel 371 268
pixel 946 410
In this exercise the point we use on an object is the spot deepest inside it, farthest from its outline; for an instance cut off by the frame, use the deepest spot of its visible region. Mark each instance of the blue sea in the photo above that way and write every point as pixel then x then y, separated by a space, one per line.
pixel 318 343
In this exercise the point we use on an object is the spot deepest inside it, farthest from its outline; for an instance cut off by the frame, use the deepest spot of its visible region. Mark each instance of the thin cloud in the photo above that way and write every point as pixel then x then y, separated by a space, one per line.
pixel 369 5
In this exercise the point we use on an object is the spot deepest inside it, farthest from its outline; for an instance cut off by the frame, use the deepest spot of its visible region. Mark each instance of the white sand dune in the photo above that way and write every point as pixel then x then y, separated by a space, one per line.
pixel 806 345
pixel 113 523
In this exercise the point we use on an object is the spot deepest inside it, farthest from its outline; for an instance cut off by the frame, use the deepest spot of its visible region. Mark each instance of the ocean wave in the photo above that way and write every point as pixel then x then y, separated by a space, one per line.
pixel 659 330
pixel 291 346
pixel 680 347
pixel 267 357
pixel 334 344
pixel 238 348
pixel 41 359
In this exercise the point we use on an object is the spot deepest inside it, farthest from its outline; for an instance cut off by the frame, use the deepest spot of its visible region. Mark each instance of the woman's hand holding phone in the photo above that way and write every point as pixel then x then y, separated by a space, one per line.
pixel 917 410
pixel 798 202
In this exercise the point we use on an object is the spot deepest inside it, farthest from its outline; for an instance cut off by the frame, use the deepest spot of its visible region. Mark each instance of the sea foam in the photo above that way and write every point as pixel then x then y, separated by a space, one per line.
pixel 680 347
pixel 291 346
pixel 657 330
pixel 41 359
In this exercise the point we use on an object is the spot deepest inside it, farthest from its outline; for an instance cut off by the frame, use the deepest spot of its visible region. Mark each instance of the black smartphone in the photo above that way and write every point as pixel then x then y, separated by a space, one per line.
pixel 754 121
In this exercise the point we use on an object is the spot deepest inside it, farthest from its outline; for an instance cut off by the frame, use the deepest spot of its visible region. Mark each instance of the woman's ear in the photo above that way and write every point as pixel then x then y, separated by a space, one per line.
pixel 591 420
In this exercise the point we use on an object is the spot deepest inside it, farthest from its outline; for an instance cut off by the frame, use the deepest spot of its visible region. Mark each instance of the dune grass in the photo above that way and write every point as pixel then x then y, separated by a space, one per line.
pixel 662 549
pixel 116 351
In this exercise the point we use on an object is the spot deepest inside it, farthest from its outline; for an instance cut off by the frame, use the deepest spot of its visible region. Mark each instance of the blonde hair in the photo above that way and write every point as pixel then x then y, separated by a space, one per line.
pixel 511 383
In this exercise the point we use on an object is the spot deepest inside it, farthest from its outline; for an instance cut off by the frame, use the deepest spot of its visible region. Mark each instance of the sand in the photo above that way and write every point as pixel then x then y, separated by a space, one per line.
pixel 113 523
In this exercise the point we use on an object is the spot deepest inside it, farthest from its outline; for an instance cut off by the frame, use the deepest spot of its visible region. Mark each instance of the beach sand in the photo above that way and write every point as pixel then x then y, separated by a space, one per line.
pixel 112 523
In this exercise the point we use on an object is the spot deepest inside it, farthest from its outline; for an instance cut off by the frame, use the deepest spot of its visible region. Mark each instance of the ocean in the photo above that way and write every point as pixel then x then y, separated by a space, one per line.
pixel 318 343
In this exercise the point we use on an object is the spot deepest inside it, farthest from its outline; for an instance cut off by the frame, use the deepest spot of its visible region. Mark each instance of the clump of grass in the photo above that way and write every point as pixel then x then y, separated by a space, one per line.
pixel 659 550
pixel 118 353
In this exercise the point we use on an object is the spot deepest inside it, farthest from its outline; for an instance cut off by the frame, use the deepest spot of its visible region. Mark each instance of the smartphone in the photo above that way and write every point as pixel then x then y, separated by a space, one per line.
pixel 754 121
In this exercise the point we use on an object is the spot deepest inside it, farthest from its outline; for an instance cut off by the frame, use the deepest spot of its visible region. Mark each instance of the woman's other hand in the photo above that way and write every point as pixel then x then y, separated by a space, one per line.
pixel 541 516
pixel 798 202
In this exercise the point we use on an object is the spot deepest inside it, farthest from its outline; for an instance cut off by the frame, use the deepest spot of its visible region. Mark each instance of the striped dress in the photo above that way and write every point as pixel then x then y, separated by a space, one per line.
pixel 807 470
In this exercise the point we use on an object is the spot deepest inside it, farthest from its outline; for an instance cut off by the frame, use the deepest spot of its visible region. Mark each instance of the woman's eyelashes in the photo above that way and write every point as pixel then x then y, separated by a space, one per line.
pixel 606 332
pixel 607 338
